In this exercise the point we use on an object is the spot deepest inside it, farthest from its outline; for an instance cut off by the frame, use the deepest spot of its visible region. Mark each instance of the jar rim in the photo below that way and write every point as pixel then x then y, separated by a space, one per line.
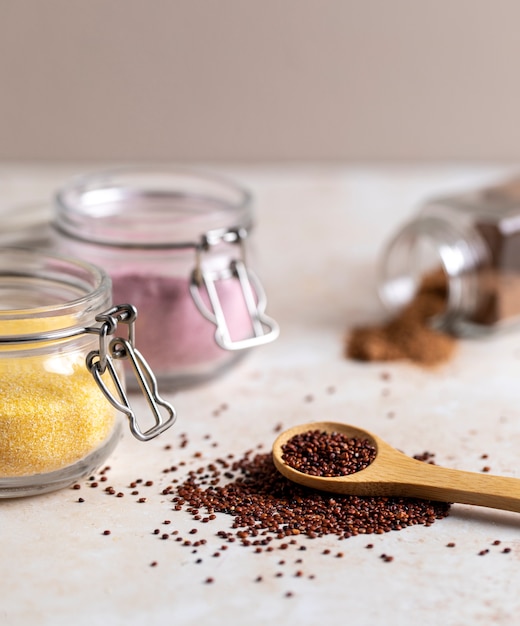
pixel 146 207
pixel 49 292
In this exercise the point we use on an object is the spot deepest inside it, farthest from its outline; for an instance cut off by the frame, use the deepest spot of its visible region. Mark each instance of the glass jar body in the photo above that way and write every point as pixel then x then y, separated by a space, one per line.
pixel 155 233
pixel 55 424
pixel 471 245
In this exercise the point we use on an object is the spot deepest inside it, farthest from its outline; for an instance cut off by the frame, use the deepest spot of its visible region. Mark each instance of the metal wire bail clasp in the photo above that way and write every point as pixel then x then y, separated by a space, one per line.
pixel 101 361
pixel 264 328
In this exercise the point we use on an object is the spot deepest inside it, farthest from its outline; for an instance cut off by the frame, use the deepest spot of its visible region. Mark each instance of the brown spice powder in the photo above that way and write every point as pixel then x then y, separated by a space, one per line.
pixel 409 335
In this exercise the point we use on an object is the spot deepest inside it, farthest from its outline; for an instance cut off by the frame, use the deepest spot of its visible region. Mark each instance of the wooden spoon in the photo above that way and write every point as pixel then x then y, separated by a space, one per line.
pixel 392 473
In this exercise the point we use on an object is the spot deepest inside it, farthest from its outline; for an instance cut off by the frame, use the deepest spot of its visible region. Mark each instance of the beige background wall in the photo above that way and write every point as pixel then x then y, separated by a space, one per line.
pixel 266 79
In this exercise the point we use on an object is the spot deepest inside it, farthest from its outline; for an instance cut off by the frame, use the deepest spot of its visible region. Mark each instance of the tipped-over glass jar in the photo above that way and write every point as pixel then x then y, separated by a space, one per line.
pixel 469 244
pixel 61 382
pixel 174 243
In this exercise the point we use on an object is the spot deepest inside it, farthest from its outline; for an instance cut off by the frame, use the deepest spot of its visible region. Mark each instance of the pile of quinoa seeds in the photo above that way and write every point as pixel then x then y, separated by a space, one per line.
pixel 323 454
pixel 244 503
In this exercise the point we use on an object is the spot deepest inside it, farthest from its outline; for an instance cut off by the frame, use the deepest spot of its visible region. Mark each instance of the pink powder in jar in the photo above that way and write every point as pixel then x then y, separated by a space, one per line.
pixel 179 340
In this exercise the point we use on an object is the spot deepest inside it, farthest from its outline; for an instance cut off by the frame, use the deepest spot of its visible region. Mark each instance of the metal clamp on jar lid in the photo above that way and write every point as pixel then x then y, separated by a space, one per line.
pixel 99 361
pixel 174 243
pixel 60 356
pixel 265 329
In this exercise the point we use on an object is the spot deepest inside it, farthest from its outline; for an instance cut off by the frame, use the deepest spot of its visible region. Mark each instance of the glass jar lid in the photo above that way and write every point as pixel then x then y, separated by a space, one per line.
pixel 150 208
pixel 42 293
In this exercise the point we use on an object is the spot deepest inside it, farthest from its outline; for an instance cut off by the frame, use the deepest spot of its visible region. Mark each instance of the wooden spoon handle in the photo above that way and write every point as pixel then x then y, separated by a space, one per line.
pixel 432 482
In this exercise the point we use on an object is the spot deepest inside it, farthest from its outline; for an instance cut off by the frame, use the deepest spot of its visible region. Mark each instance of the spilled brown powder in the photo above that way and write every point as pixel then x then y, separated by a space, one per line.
pixel 409 335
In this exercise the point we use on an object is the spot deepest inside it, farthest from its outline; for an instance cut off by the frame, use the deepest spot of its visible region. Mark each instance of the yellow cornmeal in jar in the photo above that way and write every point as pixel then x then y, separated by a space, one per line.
pixel 52 413
pixel 48 420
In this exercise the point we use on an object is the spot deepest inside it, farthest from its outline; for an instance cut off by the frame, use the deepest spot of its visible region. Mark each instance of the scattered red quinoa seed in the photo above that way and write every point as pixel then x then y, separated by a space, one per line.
pixel 106 532
pixel 425 457
pixel 153 564
pixel 450 545
pixel 506 550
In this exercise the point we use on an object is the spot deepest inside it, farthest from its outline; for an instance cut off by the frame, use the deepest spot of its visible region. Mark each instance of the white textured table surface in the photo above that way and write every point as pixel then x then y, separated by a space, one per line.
pixel 320 231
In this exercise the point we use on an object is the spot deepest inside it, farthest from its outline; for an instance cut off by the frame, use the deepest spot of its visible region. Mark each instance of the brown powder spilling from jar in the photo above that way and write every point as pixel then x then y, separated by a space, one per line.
pixel 266 506
pixel 409 335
